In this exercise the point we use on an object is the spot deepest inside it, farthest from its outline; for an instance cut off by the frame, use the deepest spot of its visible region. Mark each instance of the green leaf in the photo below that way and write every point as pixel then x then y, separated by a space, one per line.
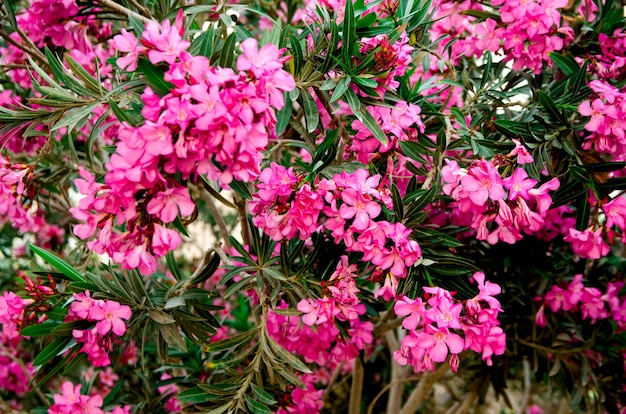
pixel 227 56
pixel 239 286
pixel 288 357
pixel 52 350
pixel 161 317
pixel 203 44
pixel 255 406
pixel 237 340
pixel 262 395
pixel 311 113
pixel 566 62
pixel 368 120
pixel 65 329
pixel 348 36
pixel 172 266
pixel 550 106
pixel 208 270
pixel 154 77
pixel 178 225
pixel 173 337
pixel 137 26
pixel 284 115
pixel 39 329
pixel 296 51
pixel 194 395
pixel 341 88
pixel 58 263
pixel 8 6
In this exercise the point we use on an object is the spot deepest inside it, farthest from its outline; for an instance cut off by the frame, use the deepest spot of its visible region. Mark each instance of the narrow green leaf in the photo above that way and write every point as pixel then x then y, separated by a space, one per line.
pixel 173 337
pixel 239 286
pixel 39 329
pixel 154 77
pixel 284 115
pixel 58 263
pixel 348 33
pixel 52 350
pixel 8 6
pixel 565 62
pixel 341 88
pixel 208 270
pixel 288 357
pixel 227 56
pixel 178 225
pixel 172 266
pixel 311 113
pixel 137 26
pixel 65 329
pixel 262 395
pixel 296 51
pixel 255 406
pixel 371 124
pixel 237 340
pixel 161 317
pixel 550 106
pixel 194 395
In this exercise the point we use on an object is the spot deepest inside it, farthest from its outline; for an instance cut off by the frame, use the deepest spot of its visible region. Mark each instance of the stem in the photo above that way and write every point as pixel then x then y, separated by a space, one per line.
pixel 217 215
pixel 36 53
pixel 527 386
pixel 423 388
pixel 144 10
pixel 468 401
pixel 370 409
pixel 243 220
pixel 396 390
pixel 356 389
pixel 433 172
pixel 332 382
pixel 123 10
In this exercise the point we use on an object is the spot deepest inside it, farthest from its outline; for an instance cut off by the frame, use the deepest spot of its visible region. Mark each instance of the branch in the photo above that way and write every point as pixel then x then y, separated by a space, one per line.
pixel 394 402
pixel 356 389
pixel 422 390
pixel 527 386
pixel 123 10
pixel 217 215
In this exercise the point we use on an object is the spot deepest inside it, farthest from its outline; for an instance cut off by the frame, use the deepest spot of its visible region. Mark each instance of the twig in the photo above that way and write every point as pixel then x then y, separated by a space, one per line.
pixel 31 45
pixel 356 389
pixel 422 390
pixel 243 220
pixel 123 10
pixel 217 215
pixel 394 401
pixel 527 385
pixel 332 381
pixel 468 401
pixel 370 409
pixel 24 48
pixel 433 172
pixel 144 10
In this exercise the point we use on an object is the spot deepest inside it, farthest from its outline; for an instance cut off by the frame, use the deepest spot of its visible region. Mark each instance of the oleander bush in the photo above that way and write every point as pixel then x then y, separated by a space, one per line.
pixel 385 206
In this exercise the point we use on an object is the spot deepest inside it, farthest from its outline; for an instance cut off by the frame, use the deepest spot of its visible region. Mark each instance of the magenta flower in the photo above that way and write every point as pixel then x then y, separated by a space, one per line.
pixel 358 206
pixel 411 307
pixel 438 342
pixel 588 243
pixel 110 316
pixel 166 204
pixel 482 183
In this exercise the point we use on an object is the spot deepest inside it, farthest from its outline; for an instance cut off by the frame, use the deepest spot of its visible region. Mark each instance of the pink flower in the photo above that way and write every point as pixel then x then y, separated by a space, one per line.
pixel 588 243
pixel 438 341
pixel 358 206
pixel 166 204
pixel 267 59
pixel 110 316
pixel 483 182
pixel 126 42
pixel 615 211
pixel 411 307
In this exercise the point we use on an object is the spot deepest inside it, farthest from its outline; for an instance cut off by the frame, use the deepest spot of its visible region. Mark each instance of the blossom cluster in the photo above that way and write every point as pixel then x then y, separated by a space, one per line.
pixel 498 209
pixel 18 206
pixel 319 340
pixel 346 205
pixel 214 121
pixel 590 302
pixel 14 377
pixel 316 335
pixel 391 59
pixel 71 401
pixel 607 122
pixel 437 323
pixel 109 317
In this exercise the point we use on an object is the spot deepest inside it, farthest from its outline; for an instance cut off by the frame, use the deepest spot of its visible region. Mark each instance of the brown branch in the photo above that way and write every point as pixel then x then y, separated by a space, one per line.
pixel 356 389
pixel 422 390
pixel 109 4
pixel 24 48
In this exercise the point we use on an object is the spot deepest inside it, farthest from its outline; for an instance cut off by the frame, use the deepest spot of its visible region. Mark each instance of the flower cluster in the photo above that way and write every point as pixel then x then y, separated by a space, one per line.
pixel 391 60
pixel 590 302
pixel 18 206
pixel 213 121
pixel 607 122
pixel 436 324
pixel 14 376
pixel 286 206
pixel 109 317
pixel 531 30
pixel 499 209
pixel 400 123
pixel 71 401
pixel 319 340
